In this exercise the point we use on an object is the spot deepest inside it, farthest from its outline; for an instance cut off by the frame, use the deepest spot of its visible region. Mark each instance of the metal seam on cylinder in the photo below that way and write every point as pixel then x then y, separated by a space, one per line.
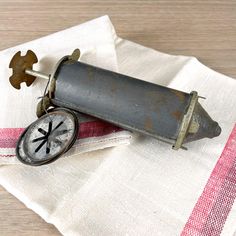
pixel 186 121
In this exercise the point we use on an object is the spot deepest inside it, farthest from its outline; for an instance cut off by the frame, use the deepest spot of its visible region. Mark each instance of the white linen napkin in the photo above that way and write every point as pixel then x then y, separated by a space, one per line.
pixel 145 188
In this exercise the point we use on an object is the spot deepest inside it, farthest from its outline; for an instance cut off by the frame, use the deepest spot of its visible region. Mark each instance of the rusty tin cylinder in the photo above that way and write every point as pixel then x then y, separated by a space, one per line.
pixel 151 109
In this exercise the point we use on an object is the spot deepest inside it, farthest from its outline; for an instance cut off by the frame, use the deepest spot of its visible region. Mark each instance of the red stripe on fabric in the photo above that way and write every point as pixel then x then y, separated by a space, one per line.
pixel 213 206
pixel 96 129
pixel 9 136
pixel 8 133
pixel 7 155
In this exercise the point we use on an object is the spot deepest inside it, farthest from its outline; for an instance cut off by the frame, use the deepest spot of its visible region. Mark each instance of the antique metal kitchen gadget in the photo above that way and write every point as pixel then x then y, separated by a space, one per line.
pixel 169 115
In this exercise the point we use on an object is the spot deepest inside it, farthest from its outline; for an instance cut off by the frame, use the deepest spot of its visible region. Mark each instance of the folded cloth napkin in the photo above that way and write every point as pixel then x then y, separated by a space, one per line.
pixel 144 188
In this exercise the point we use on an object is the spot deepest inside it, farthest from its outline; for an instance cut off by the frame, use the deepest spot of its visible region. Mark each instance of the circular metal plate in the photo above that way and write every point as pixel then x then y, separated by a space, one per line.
pixel 47 138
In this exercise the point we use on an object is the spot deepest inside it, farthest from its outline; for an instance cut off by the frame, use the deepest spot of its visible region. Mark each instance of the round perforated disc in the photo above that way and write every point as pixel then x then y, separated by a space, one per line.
pixel 47 138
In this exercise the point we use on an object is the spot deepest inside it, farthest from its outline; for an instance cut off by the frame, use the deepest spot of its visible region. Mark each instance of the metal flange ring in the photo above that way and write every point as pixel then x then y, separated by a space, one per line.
pixel 48 138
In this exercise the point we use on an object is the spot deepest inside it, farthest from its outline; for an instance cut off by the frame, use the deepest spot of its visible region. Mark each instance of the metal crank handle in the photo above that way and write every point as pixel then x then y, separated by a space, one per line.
pixel 166 114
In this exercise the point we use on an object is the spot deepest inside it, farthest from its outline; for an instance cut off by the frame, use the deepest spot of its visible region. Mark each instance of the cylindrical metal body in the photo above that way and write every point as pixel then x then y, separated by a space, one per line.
pixel 130 103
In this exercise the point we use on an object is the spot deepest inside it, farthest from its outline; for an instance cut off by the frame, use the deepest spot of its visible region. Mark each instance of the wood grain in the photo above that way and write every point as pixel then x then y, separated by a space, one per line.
pixel 205 29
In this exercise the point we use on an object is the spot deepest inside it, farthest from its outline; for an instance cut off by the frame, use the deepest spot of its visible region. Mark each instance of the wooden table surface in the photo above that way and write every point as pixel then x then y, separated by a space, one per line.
pixel 205 29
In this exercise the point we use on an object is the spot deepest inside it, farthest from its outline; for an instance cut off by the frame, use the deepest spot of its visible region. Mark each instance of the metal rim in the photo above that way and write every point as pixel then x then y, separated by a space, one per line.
pixel 186 121
pixel 21 141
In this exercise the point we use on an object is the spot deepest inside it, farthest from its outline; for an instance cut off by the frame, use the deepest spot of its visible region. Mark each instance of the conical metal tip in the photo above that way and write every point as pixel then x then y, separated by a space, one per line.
pixel 213 129
pixel 217 130
pixel 202 126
